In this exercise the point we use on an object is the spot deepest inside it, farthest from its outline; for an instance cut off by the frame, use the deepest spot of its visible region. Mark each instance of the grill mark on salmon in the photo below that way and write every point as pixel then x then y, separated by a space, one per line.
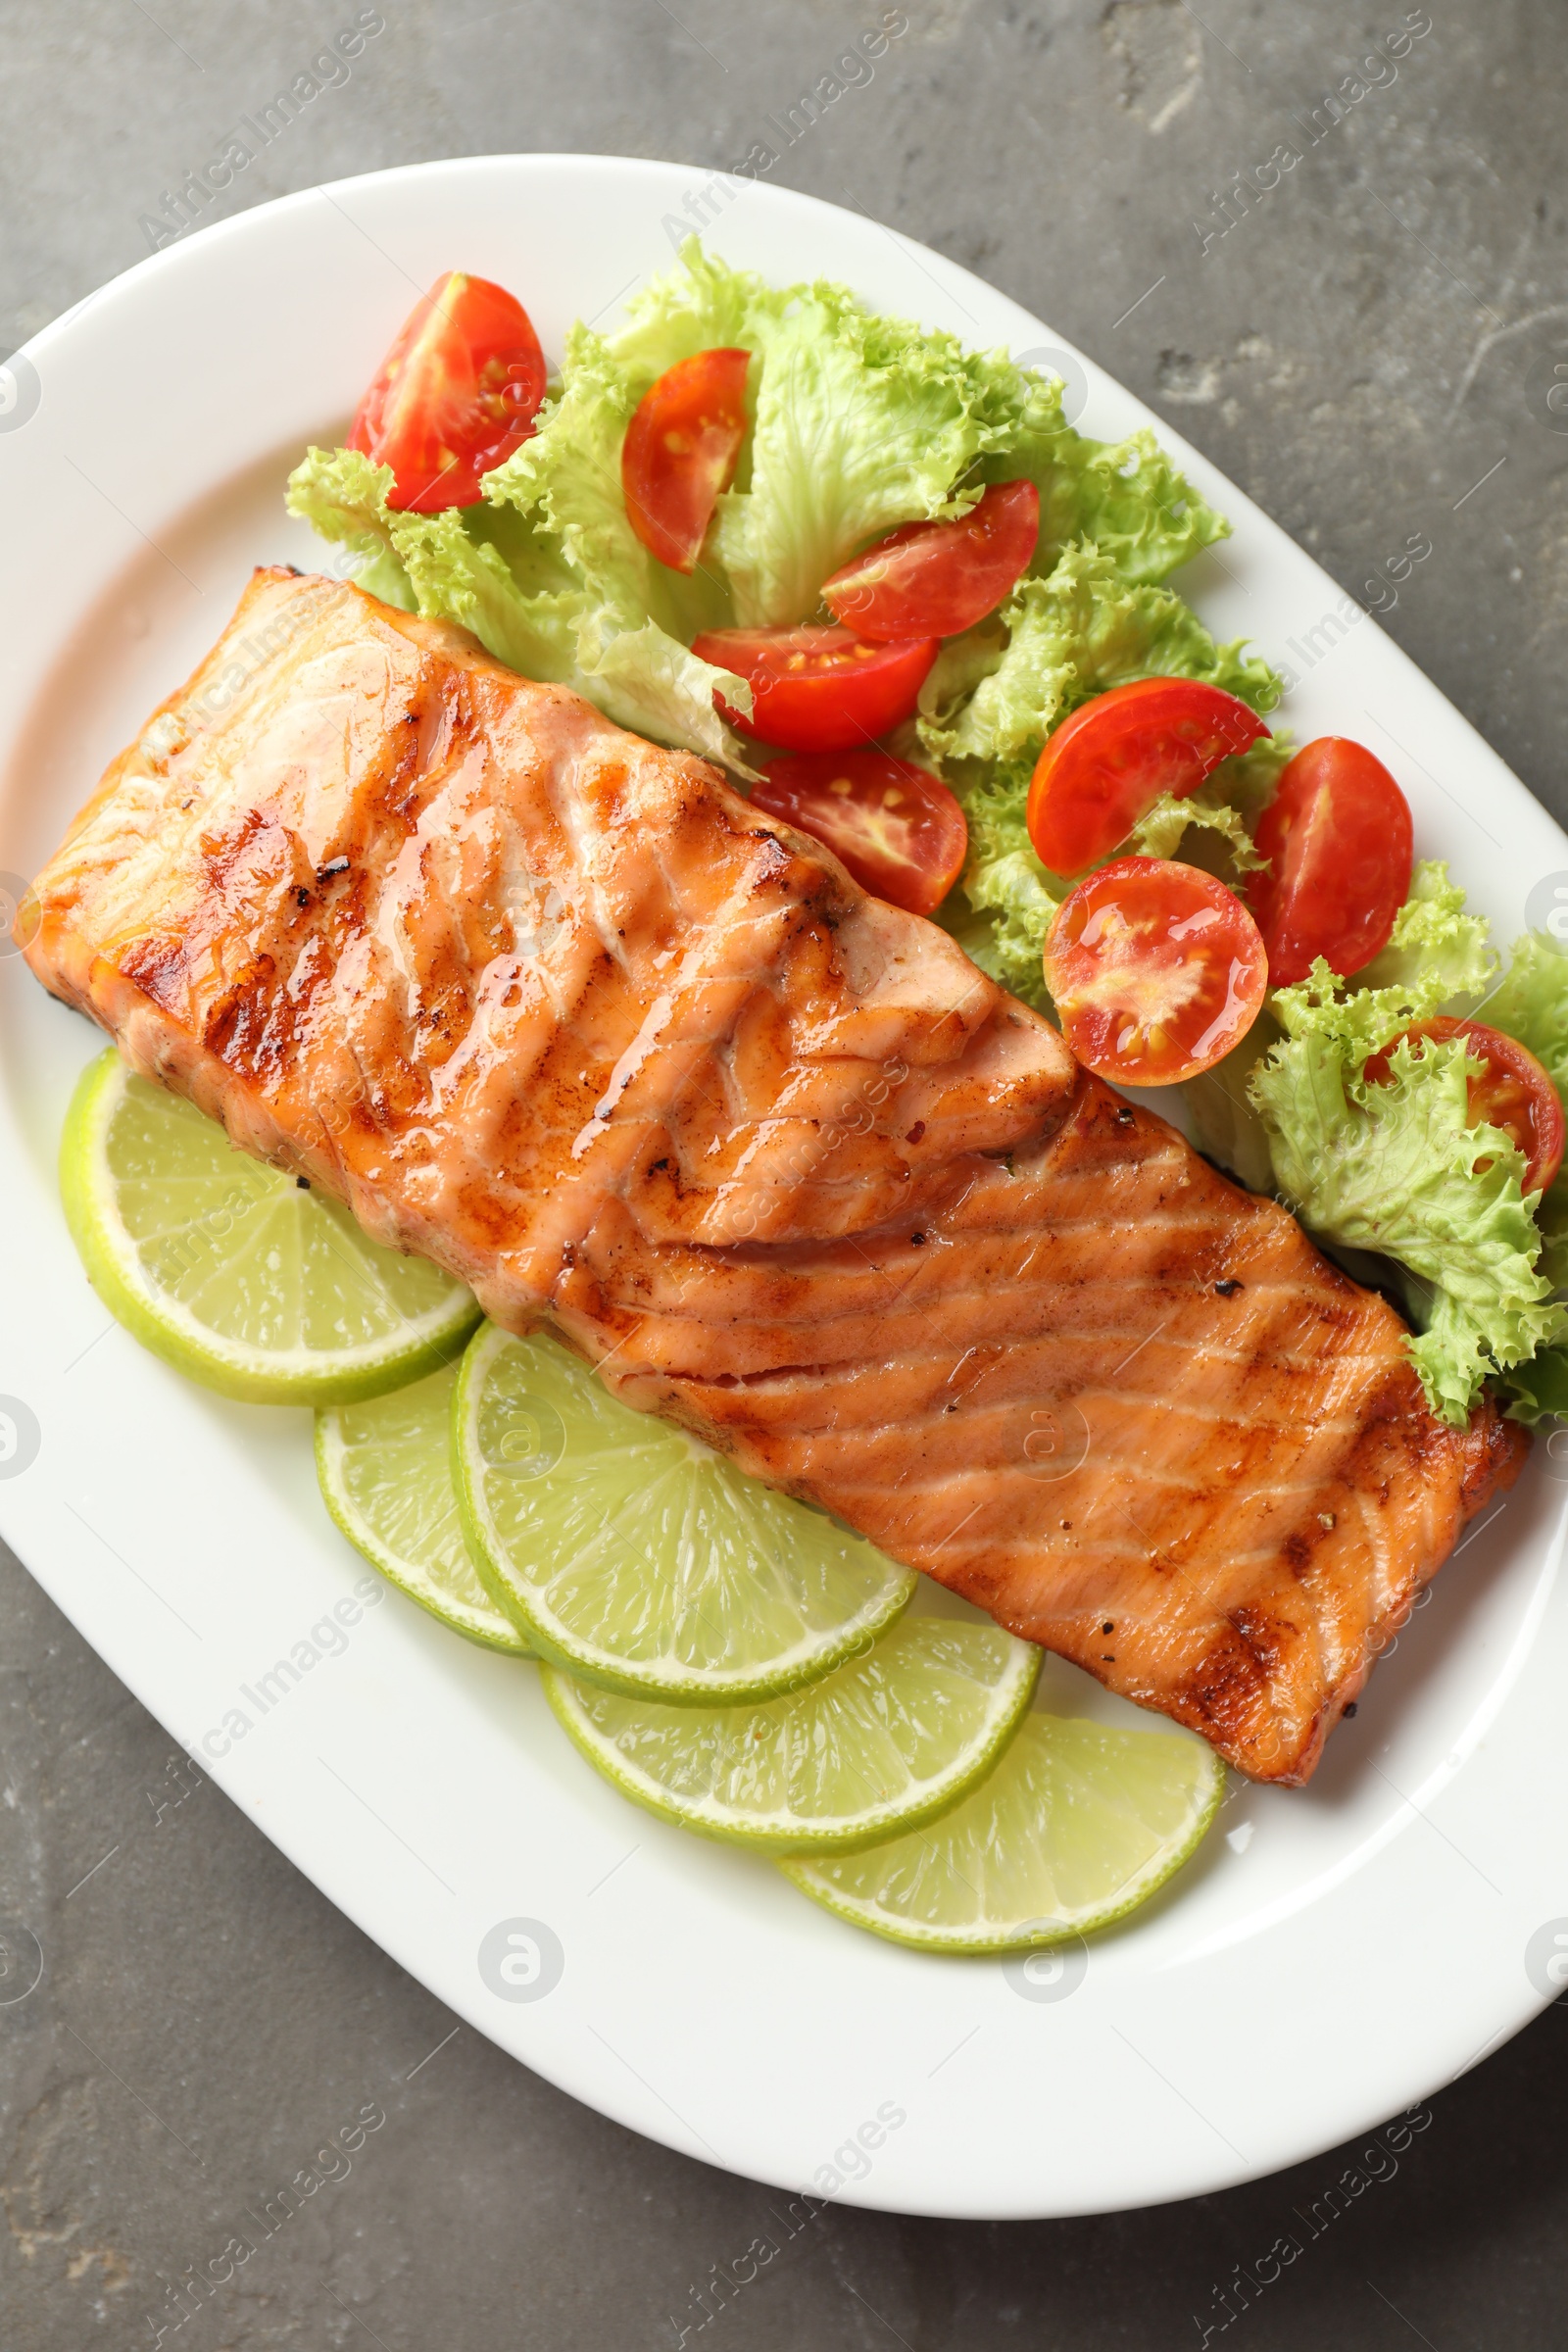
pixel 558 1010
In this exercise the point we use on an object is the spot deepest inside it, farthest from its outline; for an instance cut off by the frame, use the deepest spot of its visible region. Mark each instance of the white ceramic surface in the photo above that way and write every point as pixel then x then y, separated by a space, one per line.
pixel 1335 1954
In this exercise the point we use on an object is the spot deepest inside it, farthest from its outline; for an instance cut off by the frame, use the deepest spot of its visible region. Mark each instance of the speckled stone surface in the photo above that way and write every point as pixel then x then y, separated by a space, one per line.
pixel 1366 346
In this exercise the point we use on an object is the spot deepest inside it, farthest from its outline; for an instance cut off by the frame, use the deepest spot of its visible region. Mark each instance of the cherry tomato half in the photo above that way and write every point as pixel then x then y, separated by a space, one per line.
pixel 1338 838
pixel 1513 1092
pixel 1108 764
pixel 1158 970
pixel 456 392
pixel 680 451
pixel 897 829
pixel 932 579
pixel 815 689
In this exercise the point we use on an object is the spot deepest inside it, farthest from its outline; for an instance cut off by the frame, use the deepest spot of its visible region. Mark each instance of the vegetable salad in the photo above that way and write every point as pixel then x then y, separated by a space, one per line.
pixel 883 581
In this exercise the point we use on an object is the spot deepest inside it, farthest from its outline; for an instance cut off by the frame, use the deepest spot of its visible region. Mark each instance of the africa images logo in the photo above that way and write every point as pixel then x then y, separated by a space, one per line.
pixel 521 1959
pixel 19 391
pixel 19 1437
pixel 1547 1959
pixel 1547 907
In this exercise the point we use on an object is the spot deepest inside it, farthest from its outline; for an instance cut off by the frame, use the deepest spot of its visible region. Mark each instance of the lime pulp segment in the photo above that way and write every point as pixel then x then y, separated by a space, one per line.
pixel 385 1466
pixel 1076 1827
pixel 634 1556
pixel 236 1273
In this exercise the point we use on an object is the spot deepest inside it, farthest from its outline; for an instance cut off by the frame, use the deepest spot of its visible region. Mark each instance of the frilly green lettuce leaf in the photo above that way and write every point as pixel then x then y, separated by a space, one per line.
pixel 994 695
pixel 861 424
pixel 1005 883
pixel 1126 496
pixel 463 579
pixel 632 656
pixel 702 305
pixel 1140 511
pixel 1436 952
pixel 1437 956
pixel 1538 1389
pixel 1551 1215
pixel 1396 1169
pixel 858 421
pixel 343 496
pixel 1160 831
pixel 648 681
pixel 565 480
pixel 1531 1003
pixel 1071 635
pixel 960 666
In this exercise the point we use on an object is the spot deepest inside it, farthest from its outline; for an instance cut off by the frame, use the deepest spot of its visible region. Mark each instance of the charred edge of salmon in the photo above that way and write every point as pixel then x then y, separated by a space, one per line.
pixel 1498 1450
pixel 1234 1684
pixel 1229 1698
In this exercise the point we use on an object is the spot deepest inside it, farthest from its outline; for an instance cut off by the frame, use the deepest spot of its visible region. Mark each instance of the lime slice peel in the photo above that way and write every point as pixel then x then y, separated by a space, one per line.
pixel 892 1739
pixel 384 1468
pixel 1078 1825
pixel 634 1556
pixel 240 1276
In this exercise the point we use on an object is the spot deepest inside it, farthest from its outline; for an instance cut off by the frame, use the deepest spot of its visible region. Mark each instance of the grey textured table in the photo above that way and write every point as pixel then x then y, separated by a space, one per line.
pixel 1366 346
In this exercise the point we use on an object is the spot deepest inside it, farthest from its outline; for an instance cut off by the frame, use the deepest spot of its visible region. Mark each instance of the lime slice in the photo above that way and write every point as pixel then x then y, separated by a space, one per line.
pixel 234 1273
pixel 634 1556
pixel 891 1739
pixel 385 1473
pixel 1077 1826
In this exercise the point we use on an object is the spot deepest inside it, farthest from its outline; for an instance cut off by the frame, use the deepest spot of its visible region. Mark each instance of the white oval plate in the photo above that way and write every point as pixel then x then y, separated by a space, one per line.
pixel 1333 1955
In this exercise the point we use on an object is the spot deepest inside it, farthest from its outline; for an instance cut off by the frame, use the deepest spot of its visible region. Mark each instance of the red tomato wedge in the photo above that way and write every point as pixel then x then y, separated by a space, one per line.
pixel 1157 971
pixel 932 579
pixel 456 392
pixel 816 689
pixel 1513 1092
pixel 897 829
pixel 1108 764
pixel 680 451
pixel 1338 838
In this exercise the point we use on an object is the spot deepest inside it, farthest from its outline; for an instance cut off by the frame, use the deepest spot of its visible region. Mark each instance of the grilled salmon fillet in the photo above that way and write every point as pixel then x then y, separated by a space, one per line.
pixel 559 1011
